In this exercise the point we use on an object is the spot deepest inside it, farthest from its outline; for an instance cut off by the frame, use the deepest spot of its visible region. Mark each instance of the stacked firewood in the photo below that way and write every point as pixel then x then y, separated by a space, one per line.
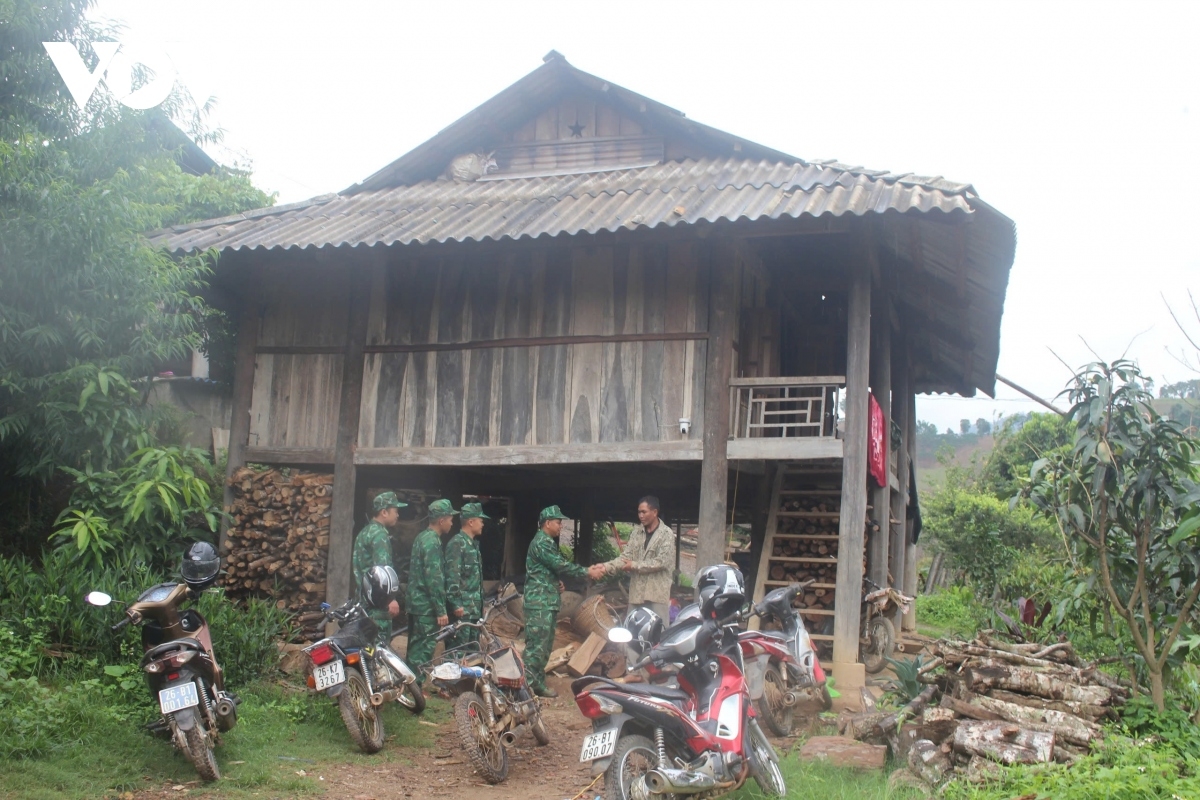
pixel 278 540
pixel 1000 704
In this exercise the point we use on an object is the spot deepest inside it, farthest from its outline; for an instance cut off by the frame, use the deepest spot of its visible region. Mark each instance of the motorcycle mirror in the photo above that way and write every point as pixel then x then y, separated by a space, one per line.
pixel 97 599
pixel 619 635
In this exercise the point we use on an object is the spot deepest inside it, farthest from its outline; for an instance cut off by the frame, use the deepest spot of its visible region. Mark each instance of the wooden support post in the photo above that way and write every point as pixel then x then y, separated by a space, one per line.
pixel 899 530
pixel 243 392
pixel 848 595
pixel 341 523
pixel 881 388
pixel 714 469
pixel 758 522
pixel 910 549
pixel 587 527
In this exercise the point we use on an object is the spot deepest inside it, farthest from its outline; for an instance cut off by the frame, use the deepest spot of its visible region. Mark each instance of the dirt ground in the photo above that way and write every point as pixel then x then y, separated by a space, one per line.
pixel 552 772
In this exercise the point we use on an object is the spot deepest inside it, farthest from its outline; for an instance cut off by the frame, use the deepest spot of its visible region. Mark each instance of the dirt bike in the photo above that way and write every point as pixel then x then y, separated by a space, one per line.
pixel 493 704
pixel 878 640
pixel 651 741
pixel 182 673
pixel 362 674
pixel 782 668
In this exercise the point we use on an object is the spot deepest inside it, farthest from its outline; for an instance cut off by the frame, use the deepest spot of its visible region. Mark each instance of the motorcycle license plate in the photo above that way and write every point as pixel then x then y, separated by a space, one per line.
pixel 330 674
pixel 175 698
pixel 599 745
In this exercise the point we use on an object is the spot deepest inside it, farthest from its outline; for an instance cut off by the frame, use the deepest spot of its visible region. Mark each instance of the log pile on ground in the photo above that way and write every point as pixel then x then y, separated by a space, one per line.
pixel 278 541
pixel 989 703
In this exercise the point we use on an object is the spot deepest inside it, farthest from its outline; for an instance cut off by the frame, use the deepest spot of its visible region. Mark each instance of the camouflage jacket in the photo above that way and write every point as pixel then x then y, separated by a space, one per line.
pixel 545 566
pixel 426 579
pixel 372 547
pixel 464 576
pixel 653 560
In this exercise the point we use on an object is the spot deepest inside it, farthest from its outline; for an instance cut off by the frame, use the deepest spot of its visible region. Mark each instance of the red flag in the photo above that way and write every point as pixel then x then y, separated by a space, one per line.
pixel 876 442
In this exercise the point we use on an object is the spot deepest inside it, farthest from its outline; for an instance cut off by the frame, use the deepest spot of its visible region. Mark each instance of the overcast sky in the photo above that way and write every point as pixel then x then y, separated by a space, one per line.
pixel 1078 121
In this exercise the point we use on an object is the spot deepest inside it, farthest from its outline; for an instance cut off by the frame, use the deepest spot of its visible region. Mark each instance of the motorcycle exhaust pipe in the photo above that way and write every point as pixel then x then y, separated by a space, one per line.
pixel 379 698
pixel 790 699
pixel 226 714
pixel 678 781
pixel 509 737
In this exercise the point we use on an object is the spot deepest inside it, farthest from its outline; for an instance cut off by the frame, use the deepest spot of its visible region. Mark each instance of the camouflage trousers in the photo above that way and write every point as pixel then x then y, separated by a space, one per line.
pixel 464 636
pixel 539 641
pixel 421 641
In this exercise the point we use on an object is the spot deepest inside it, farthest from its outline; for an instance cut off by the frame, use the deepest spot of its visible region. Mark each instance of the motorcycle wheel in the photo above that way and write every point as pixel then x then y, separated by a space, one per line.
pixel 484 747
pixel 764 763
pixel 361 718
pixel 770 706
pixel 411 697
pixel 634 757
pixel 200 754
pixel 880 644
pixel 538 727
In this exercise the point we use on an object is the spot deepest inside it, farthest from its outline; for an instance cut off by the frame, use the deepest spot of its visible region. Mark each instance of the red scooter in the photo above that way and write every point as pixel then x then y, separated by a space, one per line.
pixel 782 668
pixel 702 737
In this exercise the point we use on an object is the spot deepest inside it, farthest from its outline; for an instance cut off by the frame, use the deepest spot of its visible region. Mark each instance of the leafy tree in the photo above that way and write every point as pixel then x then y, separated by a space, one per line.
pixel 964 427
pixel 1125 499
pixel 1021 440
pixel 983 427
pixel 1184 390
pixel 86 304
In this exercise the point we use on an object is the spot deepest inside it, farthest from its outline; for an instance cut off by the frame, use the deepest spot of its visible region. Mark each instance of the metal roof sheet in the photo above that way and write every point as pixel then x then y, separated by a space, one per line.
pixel 667 194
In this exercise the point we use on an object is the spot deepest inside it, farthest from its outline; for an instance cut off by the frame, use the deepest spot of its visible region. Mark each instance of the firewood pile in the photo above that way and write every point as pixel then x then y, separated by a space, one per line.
pixel 278 541
pixel 998 704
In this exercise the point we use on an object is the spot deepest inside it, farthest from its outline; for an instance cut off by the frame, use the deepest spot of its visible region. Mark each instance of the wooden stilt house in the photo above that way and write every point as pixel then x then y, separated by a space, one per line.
pixel 576 295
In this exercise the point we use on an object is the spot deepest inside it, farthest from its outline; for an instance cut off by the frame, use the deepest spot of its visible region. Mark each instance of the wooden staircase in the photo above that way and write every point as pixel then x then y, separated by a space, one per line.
pixel 801 540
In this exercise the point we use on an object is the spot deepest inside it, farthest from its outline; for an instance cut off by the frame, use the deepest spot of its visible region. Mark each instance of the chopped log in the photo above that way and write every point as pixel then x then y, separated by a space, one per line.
pixel 1006 742
pixel 965 709
pixel 927 761
pixel 985 677
pixel 860 725
pixel 1064 726
pixel 892 722
pixel 560 657
pixel 981 770
pixel 844 752
pixel 1083 710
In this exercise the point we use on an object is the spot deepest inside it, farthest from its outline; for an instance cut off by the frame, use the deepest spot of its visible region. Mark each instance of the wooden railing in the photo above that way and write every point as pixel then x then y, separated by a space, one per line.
pixel 784 407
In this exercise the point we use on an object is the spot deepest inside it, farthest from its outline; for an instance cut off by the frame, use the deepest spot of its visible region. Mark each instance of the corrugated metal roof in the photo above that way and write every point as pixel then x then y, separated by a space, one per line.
pixel 668 194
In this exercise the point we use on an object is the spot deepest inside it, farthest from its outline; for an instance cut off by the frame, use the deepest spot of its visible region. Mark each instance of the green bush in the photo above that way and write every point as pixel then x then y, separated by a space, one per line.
pixel 1171 726
pixel 953 610
pixel 1121 769
pixel 244 635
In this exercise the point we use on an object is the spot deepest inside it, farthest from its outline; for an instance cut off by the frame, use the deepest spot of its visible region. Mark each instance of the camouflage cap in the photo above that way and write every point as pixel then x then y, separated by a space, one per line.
pixel 387 500
pixel 471 510
pixel 441 508
pixel 550 512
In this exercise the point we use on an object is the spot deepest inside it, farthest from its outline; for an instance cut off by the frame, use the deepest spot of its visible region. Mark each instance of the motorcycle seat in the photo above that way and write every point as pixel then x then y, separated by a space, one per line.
pixel 661 692
pixel 175 644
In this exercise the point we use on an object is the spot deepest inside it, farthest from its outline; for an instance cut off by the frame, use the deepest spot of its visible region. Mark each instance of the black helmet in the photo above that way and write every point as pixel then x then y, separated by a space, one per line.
pixel 646 627
pixel 721 591
pixel 200 566
pixel 380 586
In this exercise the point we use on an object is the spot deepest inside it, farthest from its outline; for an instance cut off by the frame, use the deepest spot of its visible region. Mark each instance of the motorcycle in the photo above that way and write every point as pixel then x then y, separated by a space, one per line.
pixel 493 704
pixel 362 674
pixel 651 740
pixel 878 641
pixel 182 672
pixel 782 668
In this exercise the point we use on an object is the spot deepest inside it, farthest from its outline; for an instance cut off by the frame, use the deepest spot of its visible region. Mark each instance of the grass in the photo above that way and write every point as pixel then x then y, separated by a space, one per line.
pixel 279 733
pixel 823 780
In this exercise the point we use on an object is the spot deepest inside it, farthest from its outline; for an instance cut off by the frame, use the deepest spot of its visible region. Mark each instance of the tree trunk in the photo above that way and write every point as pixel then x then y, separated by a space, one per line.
pixel 1156 687
pixel 1005 742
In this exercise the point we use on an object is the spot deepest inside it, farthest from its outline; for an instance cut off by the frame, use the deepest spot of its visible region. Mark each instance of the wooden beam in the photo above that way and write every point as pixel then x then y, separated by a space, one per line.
pixel 243 392
pixel 898 530
pixel 769 527
pixel 714 470
pixel 910 549
pixel 515 455
pixel 488 344
pixel 341 523
pixel 848 595
pixel 800 448
pixel 587 528
pixel 316 456
pixel 881 388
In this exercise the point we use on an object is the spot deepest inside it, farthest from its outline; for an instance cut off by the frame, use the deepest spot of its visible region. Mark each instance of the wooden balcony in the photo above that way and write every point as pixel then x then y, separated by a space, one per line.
pixel 785 417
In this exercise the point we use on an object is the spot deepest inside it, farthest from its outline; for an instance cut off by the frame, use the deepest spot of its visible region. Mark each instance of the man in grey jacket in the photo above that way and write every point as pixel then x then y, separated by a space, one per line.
pixel 649 558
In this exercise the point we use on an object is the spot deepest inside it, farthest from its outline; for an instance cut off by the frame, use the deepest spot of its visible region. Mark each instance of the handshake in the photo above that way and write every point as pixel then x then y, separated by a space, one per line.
pixel 598 571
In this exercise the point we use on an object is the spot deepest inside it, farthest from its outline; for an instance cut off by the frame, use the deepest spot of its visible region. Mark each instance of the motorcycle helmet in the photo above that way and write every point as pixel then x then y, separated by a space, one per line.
pixel 380 585
pixel 646 627
pixel 200 566
pixel 721 591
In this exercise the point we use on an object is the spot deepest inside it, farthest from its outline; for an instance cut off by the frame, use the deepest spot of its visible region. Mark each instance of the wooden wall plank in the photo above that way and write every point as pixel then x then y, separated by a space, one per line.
pixel 482 321
pixel 450 380
pixel 591 269
pixel 614 404
pixel 552 377
pixel 518 362
pixel 260 403
pixel 651 392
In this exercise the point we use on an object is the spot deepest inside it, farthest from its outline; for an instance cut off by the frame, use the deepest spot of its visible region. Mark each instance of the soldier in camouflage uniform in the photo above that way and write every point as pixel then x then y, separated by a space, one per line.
pixel 545 566
pixel 426 601
pixel 373 548
pixel 464 572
